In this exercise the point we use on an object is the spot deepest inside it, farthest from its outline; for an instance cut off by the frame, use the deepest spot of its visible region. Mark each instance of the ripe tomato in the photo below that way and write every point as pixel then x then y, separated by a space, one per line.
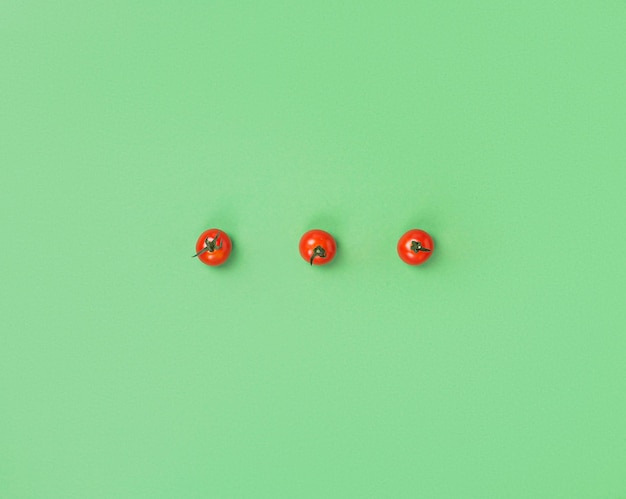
pixel 213 247
pixel 415 247
pixel 318 247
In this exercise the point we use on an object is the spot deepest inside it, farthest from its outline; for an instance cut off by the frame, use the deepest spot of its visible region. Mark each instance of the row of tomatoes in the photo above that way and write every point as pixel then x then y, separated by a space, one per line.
pixel 317 247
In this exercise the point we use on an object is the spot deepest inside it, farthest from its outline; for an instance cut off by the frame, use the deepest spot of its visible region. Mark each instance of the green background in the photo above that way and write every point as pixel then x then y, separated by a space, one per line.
pixel 129 369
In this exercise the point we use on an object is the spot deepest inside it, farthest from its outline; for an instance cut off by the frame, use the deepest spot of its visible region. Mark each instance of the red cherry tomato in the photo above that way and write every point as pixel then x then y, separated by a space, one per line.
pixel 415 247
pixel 213 247
pixel 318 247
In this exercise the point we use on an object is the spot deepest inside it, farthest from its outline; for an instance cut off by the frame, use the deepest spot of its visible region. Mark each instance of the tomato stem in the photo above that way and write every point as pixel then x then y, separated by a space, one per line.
pixel 318 251
pixel 210 245
pixel 416 247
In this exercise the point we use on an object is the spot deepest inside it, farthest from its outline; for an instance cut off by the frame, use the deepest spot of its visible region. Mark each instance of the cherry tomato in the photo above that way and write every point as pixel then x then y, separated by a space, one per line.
pixel 415 247
pixel 318 247
pixel 213 247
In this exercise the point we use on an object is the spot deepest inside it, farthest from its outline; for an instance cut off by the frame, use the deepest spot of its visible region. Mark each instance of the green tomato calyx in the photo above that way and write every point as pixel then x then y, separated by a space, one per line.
pixel 318 251
pixel 211 245
pixel 416 247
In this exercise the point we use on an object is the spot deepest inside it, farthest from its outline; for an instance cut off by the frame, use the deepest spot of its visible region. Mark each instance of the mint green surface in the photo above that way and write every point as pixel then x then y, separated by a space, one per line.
pixel 129 369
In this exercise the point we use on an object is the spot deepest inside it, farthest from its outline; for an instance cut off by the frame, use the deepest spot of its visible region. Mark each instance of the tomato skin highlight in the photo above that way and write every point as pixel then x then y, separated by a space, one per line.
pixel 317 247
pixel 415 247
pixel 213 247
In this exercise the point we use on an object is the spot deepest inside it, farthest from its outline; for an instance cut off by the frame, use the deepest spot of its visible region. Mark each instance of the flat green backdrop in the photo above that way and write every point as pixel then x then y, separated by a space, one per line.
pixel 129 369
